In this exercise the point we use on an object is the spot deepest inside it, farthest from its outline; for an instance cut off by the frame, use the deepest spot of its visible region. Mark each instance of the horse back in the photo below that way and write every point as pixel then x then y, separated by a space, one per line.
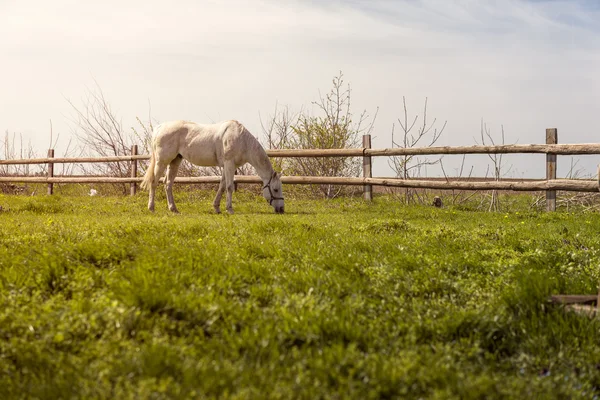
pixel 201 144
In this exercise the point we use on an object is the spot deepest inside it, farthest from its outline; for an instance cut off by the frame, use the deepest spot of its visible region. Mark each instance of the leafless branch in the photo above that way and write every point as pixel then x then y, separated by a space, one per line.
pixel 334 127
pixel 407 167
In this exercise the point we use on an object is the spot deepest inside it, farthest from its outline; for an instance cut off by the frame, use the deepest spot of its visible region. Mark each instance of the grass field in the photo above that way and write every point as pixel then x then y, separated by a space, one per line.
pixel 335 299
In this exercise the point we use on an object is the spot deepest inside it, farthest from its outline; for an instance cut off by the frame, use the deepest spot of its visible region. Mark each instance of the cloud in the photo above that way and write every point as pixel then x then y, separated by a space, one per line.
pixel 526 64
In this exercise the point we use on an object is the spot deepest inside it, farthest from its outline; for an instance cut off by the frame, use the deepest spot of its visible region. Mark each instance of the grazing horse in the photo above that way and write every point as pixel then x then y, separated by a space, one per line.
pixel 227 144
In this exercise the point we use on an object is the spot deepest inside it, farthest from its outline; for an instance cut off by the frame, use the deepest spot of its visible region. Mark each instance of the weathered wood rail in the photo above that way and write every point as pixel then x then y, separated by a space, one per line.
pixel 578 185
pixel 557 149
pixel 550 185
pixel 586 305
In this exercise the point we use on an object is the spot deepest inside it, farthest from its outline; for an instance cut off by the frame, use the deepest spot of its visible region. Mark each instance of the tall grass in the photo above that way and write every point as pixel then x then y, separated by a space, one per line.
pixel 335 299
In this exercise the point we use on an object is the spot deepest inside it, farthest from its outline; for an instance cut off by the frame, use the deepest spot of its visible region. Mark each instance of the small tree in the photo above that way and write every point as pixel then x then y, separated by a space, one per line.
pixel 334 128
pixel 410 166
pixel 278 131
pixel 498 167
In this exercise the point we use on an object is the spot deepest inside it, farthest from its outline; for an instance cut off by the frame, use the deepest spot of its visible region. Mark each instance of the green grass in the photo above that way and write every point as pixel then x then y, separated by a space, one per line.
pixel 335 299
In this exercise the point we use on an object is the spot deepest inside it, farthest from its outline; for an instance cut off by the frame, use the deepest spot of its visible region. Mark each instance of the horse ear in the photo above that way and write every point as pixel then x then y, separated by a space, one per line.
pixel 274 175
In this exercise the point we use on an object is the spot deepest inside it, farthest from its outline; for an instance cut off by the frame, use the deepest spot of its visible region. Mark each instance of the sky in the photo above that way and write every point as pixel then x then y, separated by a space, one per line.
pixel 522 66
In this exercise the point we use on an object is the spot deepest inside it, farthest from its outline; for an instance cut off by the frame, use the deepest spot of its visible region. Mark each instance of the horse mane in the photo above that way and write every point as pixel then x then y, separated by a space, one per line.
pixel 256 148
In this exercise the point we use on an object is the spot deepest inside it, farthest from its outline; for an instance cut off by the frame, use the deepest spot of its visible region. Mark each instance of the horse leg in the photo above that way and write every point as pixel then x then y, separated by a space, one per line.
pixel 217 202
pixel 171 174
pixel 159 170
pixel 228 173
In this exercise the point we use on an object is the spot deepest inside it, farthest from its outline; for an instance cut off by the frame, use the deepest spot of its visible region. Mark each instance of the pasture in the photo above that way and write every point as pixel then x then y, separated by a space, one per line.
pixel 334 299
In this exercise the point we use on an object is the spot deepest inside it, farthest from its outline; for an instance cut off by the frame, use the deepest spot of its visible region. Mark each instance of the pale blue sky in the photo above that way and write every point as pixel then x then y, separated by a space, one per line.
pixel 528 65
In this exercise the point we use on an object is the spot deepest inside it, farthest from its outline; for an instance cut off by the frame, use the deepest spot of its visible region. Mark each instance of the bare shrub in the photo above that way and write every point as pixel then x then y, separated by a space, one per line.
pixel 459 197
pixel 499 170
pixel 334 128
pixel 278 130
pixel 571 201
pixel 411 166
pixel 100 132
pixel 14 147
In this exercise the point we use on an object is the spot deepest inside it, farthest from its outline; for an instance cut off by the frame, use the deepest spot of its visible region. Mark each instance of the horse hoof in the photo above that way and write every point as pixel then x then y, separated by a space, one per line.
pixel 230 211
pixel 218 210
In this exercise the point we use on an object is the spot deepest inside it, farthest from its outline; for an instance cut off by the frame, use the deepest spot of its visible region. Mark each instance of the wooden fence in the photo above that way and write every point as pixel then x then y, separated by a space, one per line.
pixel 550 185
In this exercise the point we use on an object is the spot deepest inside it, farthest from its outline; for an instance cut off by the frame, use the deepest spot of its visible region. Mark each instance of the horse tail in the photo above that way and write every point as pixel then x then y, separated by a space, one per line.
pixel 149 176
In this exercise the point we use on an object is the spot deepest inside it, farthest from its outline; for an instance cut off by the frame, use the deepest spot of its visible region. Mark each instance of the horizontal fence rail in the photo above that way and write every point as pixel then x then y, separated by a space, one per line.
pixel 550 185
pixel 576 185
pixel 558 149
pixel 74 160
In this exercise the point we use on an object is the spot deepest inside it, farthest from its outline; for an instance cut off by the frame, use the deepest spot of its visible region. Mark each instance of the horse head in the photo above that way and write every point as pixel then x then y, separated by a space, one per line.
pixel 273 193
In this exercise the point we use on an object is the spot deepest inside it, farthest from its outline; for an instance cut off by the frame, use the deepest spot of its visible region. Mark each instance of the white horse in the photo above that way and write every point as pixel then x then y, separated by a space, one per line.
pixel 227 144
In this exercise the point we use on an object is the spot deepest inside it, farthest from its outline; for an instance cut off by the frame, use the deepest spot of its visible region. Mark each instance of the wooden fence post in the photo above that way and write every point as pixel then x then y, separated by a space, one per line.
pixel 133 185
pixel 50 171
pixel 551 138
pixel 598 299
pixel 367 189
pixel 599 190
